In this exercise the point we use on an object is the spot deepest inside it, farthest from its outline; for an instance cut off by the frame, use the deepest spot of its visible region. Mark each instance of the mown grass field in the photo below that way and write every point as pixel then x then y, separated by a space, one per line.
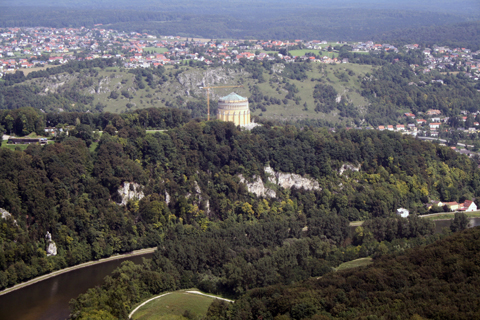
pixel 355 263
pixel 155 49
pixel 302 52
pixel 30 70
pixel 174 306
pixel 443 216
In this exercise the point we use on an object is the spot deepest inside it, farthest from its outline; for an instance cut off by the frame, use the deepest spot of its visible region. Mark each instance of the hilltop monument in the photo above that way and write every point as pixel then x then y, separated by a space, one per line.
pixel 234 108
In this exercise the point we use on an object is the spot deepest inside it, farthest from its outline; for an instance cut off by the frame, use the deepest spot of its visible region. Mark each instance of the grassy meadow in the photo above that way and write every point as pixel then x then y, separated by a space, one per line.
pixel 345 78
pixel 355 263
pixel 174 306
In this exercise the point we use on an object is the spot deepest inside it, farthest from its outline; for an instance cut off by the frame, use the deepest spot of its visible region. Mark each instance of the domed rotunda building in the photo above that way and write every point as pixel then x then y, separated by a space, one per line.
pixel 234 108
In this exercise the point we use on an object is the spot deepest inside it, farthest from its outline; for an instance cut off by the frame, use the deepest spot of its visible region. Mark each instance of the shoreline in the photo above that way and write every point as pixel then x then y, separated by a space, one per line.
pixel 78 266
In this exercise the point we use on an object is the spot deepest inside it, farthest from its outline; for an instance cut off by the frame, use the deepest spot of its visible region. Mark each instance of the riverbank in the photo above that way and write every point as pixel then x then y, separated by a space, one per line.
pixel 79 266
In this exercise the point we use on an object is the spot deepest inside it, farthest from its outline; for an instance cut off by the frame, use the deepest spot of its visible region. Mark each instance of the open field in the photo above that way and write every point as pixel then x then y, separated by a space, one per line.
pixel 302 52
pixel 344 78
pixel 174 306
pixel 355 263
pixel 30 70
pixel 22 147
pixel 450 215
pixel 155 49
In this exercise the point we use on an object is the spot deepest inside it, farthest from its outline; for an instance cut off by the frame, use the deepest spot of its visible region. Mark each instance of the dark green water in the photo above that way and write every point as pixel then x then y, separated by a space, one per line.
pixel 48 299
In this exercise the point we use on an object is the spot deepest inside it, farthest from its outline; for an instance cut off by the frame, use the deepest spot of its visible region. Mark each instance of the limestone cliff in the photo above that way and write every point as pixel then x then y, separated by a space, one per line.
pixel 347 166
pixel 291 180
pixel 257 187
pixel 130 191
pixel 284 180
pixel 4 214
pixel 51 246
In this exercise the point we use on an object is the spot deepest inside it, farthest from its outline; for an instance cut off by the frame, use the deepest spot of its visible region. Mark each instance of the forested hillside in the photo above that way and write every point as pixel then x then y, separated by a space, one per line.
pixel 192 175
pixel 373 89
pixel 238 21
pixel 460 35
pixel 438 281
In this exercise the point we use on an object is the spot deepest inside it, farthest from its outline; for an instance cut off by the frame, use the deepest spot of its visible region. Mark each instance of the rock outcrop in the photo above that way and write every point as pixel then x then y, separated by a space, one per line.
pixel 4 214
pixel 130 191
pixel 291 180
pixel 347 166
pixel 258 187
pixel 284 180
pixel 51 246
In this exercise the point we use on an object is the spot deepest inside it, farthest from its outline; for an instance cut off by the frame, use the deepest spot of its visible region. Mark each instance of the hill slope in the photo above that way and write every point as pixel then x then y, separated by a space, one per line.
pixel 439 281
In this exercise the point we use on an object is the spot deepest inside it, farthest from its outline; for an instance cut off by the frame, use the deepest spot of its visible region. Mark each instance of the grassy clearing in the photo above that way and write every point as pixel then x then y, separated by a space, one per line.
pixel 174 306
pixel 30 70
pixel 451 215
pixel 356 223
pixel 155 49
pixel 302 52
pixel 14 146
pixel 355 263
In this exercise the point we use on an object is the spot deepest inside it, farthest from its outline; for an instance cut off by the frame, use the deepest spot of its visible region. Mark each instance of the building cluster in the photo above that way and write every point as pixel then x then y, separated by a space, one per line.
pixel 466 206
pixel 31 47
pixel 446 59
pixel 431 122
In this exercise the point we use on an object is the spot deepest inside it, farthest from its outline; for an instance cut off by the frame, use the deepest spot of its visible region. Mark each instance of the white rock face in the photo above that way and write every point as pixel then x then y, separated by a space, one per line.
pixel 127 194
pixel 284 180
pixel 257 187
pixel 290 180
pixel 347 166
pixel 4 214
pixel 167 198
pixel 51 246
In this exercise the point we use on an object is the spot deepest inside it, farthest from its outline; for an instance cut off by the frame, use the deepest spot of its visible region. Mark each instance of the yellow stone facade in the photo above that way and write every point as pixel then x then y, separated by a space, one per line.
pixel 234 108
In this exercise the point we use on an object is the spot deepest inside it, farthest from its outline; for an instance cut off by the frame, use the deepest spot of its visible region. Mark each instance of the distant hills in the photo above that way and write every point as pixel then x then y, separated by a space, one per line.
pixel 466 35
pixel 344 21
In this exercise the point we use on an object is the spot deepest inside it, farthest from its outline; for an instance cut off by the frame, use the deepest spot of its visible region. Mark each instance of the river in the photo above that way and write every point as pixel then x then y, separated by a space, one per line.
pixel 48 299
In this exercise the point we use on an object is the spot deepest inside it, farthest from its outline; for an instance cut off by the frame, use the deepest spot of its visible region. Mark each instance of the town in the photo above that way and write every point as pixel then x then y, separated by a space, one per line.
pixel 23 48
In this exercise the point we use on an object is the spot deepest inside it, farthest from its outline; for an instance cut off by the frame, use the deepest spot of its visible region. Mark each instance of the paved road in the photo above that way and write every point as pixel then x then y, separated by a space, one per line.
pixel 210 296
pixel 443 140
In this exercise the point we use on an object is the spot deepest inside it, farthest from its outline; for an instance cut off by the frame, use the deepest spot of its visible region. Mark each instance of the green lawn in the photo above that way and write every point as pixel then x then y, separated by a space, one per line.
pixel 443 216
pixel 174 306
pixel 155 49
pixel 304 51
pixel 13 146
pixel 355 263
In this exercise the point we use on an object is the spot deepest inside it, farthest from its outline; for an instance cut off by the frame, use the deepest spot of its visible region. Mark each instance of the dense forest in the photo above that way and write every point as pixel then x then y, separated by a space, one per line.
pixel 462 35
pixel 190 175
pixel 231 259
pixel 238 21
pixel 437 281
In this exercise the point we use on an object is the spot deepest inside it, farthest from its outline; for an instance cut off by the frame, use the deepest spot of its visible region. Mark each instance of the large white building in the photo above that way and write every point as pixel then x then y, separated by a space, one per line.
pixel 234 108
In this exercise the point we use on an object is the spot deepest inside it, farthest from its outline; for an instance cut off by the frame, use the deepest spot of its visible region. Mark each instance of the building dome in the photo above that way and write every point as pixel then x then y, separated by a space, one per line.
pixel 234 108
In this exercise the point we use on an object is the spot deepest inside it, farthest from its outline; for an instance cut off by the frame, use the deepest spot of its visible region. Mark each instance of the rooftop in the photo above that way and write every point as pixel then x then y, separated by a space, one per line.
pixel 233 97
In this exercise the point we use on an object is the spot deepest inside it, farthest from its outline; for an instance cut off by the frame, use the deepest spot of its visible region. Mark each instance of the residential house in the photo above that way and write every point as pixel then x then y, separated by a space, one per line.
pixel 432 112
pixel 452 206
pixel 434 125
pixel 468 206
pixel 402 212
